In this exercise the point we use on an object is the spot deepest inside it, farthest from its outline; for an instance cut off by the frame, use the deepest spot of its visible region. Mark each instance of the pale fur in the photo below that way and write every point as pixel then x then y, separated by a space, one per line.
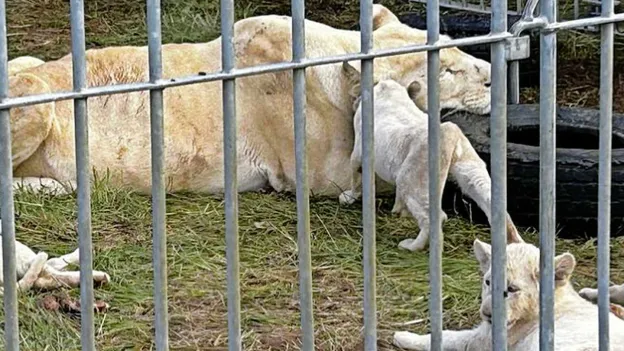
pixel 23 62
pixel 39 272
pixel 43 142
pixel 401 158
pixel 576 320
pixel 616 294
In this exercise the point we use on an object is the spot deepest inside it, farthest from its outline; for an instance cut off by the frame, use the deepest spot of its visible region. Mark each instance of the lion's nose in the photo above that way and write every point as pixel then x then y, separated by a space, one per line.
pixel 488 84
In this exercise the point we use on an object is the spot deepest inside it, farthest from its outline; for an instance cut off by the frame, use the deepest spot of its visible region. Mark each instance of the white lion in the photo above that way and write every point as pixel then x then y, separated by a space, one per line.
pixel 37 271
pixel 576 320
pixel 401 149
pixel 42 135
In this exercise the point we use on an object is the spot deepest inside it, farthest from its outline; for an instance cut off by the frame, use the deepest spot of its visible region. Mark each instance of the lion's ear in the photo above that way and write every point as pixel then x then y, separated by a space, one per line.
pixel 382 16
pixel 413 90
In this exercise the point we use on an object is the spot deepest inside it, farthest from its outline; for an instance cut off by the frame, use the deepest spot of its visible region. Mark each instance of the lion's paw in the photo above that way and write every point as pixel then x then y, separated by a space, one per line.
pixel 410 341
pixel 413 244
pixel 346 198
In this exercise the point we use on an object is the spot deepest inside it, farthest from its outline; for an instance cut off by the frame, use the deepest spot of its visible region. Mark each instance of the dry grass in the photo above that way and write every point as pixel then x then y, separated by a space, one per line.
pixel 195 226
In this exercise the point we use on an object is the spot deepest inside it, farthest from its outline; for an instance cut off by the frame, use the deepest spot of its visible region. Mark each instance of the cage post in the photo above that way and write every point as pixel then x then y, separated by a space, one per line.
pixel 303 189
pixel 548 103
pixel 368 178
pixel 85 247
pixel 228 63
pixel 7 213
pixel 435 230
pixel 604 173
pixel 158 177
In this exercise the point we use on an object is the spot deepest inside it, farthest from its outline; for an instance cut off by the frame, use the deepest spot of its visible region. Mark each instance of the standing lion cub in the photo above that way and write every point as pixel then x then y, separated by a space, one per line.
pixel 401 149
pixel 576 320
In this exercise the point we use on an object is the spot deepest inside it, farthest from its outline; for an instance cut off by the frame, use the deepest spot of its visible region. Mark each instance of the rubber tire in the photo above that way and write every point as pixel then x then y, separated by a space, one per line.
pixel 576 171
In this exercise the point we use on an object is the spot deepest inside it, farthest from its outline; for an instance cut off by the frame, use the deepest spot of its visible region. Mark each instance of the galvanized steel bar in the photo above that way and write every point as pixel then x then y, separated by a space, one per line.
pixel 585 22
pixel 548 101
pixel 514 82
pixel 303 189
pixel 368 178
pixel 228 63
pixel 604 174
pixel 244 72
pixel 435 223
pixel 11 327
pixel 498 134
pixel 158 177
pixel 79 74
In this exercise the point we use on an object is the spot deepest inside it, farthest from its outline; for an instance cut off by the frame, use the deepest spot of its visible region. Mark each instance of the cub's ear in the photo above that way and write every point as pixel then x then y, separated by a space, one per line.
pixel 564 266
pixel 352 73
pixel 382 16
pixel 483 253
pixel 413 90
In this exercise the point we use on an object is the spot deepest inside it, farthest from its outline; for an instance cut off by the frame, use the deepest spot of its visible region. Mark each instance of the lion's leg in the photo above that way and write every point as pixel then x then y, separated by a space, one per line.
pixel 33 272
pixel 472 176
pixel 30 125
pixel 469 340
pixel 616 294
pixel 53 279
pixel 39 185
pixel 349 196
pixel 60 263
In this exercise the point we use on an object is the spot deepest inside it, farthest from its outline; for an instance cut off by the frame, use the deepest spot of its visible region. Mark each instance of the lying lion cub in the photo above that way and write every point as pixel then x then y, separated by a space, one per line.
pixel 36 270
pixel 576 320
pixel 401 149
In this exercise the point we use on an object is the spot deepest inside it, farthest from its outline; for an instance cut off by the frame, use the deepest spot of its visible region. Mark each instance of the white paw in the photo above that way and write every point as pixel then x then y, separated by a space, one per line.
pixel 411 341
pixel 346 198
pixel 101 277
pixel 588 294
pixel 413 244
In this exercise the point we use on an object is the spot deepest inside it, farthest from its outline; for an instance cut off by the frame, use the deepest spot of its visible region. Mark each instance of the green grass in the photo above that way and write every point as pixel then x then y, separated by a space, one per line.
pixel 268 243
pixel 268 267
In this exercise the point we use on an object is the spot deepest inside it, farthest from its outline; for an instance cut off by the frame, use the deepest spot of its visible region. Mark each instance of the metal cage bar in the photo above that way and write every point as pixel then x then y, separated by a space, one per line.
pixel 11 327
pixel 368 178
pixel 548 103
pixel 433 158
pixel 228 63
pixel 303 189
pixel 85 247
pixel 604 174
pixel 498 164
pixel 159 211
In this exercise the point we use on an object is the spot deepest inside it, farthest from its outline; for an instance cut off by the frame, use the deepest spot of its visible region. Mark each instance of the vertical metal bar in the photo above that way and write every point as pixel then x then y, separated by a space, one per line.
pixel 548 102
pixel 435 229
pixel 577 10
pixel 368 178
pixel 79 73
pixel 604 174
pixel 518 6
pixel 514 82
pixel 11 328
pixel 158 177
pixel 228 62
pixel 498 133
pixel 303 190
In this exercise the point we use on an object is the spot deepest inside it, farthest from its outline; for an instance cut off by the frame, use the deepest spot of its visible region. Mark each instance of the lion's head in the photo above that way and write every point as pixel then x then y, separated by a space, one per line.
pixel 522 293
pixel 464 79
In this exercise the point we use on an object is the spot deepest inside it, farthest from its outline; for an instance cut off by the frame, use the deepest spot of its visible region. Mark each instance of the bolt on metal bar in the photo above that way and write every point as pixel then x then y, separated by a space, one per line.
pixel 548 102
pixel 85 247
pixel 158 178
pixel 303 189
pixel 11 327
pixel 498 133
pixel 604 174
pixel 228 63
pixel 368 178
pixel 435 226
pixel 245 72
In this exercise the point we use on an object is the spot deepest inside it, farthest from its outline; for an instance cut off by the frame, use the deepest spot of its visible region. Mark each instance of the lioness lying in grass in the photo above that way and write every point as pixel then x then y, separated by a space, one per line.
pixel 401 149
pixel 576 319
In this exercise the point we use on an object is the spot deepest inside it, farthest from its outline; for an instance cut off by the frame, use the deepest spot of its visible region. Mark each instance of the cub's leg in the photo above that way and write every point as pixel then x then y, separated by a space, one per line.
pixel 468 340
pixel 60 263
pixel 413 189
pixel 616 294
pixel 349 196
pixel 33 273
pixel 53 279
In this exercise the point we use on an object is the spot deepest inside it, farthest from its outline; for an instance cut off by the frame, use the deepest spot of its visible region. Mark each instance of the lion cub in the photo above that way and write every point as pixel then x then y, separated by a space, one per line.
pixel 401 159
pixel 36 270
pixel 576 319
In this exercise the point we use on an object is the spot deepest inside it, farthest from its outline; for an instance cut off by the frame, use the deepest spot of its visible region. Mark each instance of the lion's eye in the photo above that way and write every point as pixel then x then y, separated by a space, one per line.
pixel 512 289
pixel 448 70
pixel 487 282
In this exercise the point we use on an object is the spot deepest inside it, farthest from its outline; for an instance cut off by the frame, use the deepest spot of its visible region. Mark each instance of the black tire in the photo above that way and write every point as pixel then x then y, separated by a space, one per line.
pixel 576 168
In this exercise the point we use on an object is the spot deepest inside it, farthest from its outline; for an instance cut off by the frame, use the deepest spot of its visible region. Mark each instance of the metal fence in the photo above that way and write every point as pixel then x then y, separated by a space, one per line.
pixel 505 46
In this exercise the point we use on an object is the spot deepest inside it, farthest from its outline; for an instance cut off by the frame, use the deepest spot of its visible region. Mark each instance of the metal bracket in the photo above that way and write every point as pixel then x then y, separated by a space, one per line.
pixel 517 48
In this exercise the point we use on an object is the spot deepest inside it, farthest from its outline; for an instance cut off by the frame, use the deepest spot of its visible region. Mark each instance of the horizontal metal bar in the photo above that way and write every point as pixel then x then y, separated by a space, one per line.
pixel 244 72
pixel 481 8
pixel 583 22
